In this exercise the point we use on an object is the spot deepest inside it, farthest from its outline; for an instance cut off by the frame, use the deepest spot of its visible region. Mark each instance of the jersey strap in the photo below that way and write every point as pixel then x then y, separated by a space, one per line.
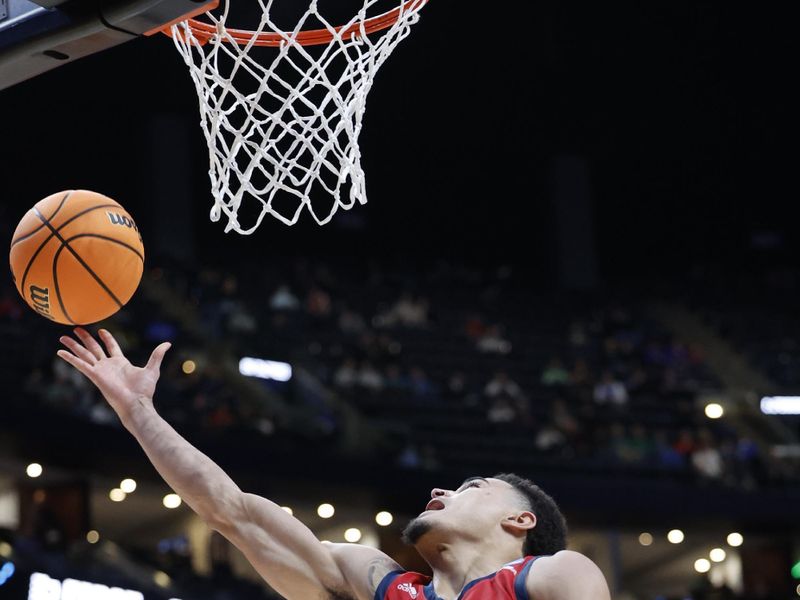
pixel 520 590
pixel 386 582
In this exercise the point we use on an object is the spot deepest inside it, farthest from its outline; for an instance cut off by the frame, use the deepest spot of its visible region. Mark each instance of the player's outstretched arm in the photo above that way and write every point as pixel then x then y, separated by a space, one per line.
pixel 566 575
pixel 283 550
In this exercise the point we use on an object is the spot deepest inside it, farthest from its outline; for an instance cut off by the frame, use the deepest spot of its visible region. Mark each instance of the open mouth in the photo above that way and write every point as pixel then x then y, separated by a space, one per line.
pixel 435 504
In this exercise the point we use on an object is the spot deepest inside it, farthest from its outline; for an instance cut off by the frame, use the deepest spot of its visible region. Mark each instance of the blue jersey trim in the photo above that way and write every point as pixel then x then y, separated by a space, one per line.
pixel 520 589
pixel 383 586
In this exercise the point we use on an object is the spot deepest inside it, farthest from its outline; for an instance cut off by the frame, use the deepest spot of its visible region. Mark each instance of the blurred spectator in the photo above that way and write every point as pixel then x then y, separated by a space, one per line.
pixel 666 456
pixel 351 323
pixel 493 342
pixel 564 419
pixel 554 374
pixel 369 377
pixel 549 438
pixel 502 411
pixel 502 385
pixel 421 387
pixel 706 459
pixel 610 391
pixel 408 311
pixel 318 303
pixel 346 375
pixel 283 299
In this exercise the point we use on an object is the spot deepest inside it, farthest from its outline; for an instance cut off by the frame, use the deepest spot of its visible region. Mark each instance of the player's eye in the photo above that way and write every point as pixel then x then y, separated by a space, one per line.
pixel 473 484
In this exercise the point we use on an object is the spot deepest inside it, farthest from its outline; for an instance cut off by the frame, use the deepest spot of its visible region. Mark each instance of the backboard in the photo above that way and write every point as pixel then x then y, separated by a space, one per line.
pixel 39 35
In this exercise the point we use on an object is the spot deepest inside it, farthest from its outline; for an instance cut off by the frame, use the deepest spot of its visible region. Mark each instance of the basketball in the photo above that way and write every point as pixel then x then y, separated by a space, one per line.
pixel 77 257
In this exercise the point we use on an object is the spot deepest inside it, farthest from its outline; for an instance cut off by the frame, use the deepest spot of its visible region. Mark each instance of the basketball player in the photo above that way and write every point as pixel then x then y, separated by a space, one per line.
pixel 497 538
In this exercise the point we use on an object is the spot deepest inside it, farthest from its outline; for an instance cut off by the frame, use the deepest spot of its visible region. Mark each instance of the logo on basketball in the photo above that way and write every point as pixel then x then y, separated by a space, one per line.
pixel 40 297
pixel 118 219
pixel 408 589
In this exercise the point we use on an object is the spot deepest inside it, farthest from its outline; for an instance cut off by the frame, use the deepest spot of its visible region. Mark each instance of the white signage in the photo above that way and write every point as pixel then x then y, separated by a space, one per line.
pixel 43 587
pixel 780 405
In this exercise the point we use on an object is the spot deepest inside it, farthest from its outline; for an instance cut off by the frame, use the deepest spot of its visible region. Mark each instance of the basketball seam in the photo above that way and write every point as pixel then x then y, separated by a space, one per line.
pixel 109 239
pixel 79 259
pixel 55 285
pixel 40 227
pixel 50 237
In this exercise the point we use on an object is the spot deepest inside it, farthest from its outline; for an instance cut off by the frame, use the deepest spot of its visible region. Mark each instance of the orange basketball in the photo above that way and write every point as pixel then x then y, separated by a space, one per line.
pixel 77 257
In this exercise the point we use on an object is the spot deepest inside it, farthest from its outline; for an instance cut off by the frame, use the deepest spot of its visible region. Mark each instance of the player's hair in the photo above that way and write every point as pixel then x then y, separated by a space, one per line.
pixel 550 534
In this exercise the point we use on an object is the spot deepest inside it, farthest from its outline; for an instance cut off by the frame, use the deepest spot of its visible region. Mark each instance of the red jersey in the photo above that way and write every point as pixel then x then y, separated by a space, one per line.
pixel 506 584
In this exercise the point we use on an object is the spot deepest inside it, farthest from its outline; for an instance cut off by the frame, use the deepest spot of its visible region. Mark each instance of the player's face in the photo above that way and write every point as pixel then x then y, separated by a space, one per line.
pixel 476 506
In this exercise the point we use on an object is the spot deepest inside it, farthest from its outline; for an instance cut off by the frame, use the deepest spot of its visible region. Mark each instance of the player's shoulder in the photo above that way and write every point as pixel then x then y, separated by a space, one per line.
pixel 566 575
pixel 363 567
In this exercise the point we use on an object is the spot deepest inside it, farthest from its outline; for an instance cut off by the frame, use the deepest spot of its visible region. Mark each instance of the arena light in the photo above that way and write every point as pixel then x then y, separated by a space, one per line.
pixel 702 565
pixel 34 470
pixel 675 536
pixel 117 495
pixel 128 485
pixel 780 405
pixel 288 509
pixel 93 536
pixel 161 579
pixel 265 369
pixel 714 410
pixel 5 549
pixel 172 501
pixel 735 540
pixel 326 510
pixel 717 555
pixel 352 535
pixel 384 518
pixel 189 367
pixel 797 589
pixel 646 539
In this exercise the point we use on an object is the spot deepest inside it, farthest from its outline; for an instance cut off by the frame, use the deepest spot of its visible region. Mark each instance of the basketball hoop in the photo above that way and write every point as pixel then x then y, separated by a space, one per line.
pixel 282 128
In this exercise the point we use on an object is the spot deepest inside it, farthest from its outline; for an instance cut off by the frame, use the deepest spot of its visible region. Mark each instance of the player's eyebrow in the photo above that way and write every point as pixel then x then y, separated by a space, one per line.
pixel 468 479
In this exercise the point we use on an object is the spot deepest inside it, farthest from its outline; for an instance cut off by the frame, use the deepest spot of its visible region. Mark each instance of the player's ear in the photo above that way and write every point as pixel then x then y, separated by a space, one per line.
pixel 519 523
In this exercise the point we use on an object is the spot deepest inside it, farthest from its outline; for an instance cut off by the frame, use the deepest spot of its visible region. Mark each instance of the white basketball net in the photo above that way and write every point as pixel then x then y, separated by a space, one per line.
pixel 285 133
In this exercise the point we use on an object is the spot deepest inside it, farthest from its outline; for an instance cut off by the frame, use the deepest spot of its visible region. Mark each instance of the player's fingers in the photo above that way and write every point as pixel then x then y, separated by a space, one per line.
pixel 76 362
pixel 90 343
pixel 110 343
pixel 78 350
pixel 157 356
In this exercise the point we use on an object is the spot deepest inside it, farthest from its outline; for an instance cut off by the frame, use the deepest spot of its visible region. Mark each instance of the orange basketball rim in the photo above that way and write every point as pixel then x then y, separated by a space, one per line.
pixel 203 32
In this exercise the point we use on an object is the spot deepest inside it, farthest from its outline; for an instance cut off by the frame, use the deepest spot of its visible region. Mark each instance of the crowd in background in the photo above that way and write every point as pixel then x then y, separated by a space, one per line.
pixel 461 353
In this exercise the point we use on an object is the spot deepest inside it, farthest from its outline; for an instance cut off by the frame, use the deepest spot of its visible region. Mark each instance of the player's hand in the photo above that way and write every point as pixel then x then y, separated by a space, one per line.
pixel 122 384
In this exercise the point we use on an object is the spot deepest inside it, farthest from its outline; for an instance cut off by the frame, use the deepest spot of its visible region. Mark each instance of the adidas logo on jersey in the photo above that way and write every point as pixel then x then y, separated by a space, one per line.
pixel 408 588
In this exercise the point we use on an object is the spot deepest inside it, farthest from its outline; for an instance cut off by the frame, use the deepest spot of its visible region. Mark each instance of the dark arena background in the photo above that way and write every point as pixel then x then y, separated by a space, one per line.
pixel 578 263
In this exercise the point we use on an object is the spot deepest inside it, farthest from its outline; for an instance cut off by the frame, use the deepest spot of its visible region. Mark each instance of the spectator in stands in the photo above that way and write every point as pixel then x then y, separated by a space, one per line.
pixel 318 303
pixel 394 379
pixel 421 387
pixel 369 377
pixel 351 323
pixel 564 419
pixel 502 411
pixel 409 311
pixel 283 299
pixel 554 373
pixel 549 438
pixel 493 341
pixel 685 444
pixel 611 391
pixel 665 454
pixel 10 308
pixel 580 376
pixel 706 459
pixel 502 385
pixel 346 375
